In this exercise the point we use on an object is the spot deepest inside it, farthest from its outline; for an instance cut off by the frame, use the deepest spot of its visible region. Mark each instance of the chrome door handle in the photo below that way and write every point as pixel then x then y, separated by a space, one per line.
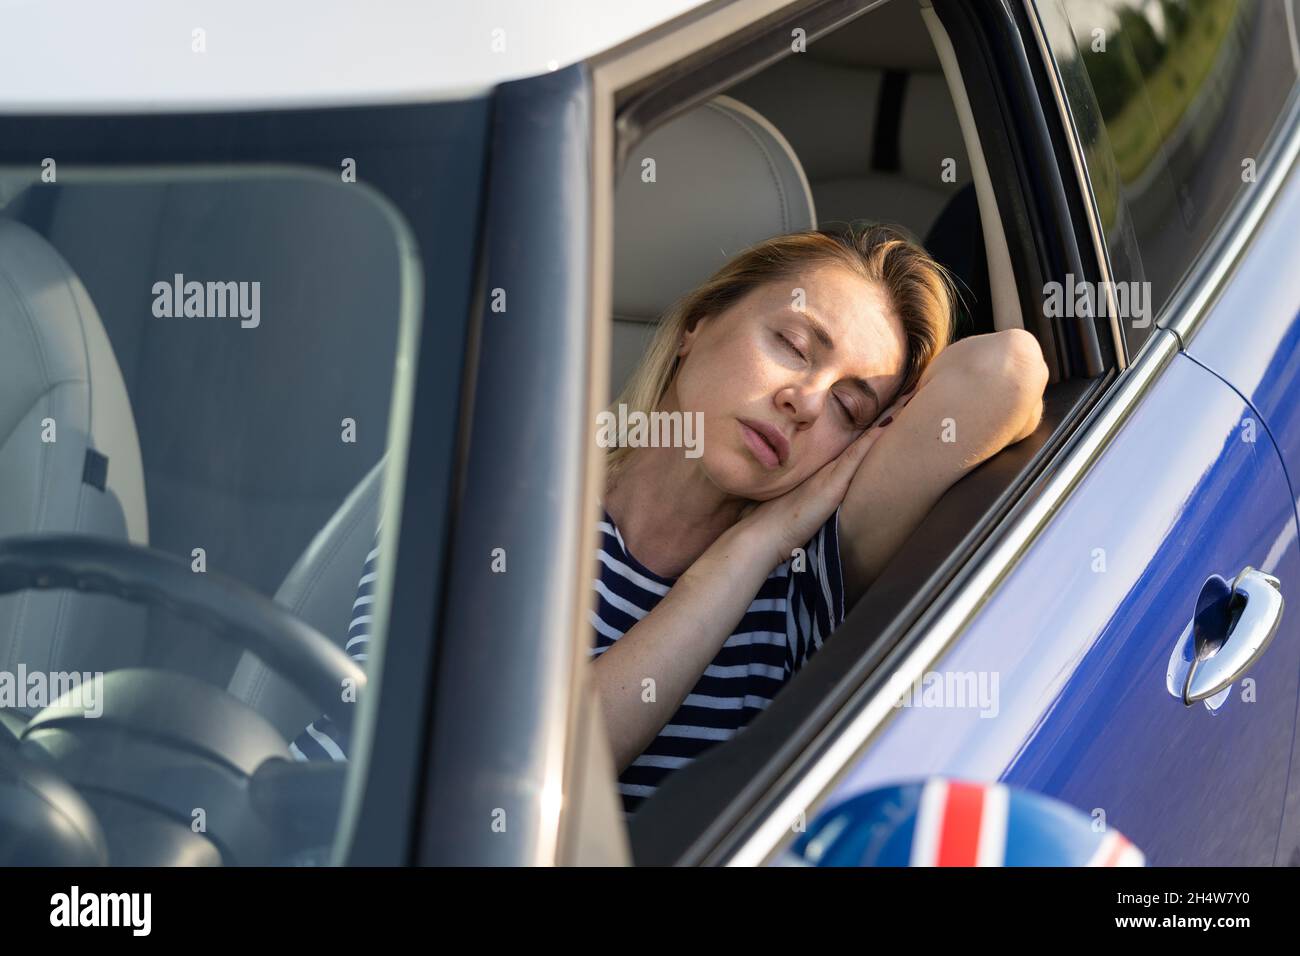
pixel 1256 624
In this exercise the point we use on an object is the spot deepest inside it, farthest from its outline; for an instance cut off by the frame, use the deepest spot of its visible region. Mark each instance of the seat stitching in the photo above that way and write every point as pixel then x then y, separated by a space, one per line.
pixel 61 612
pixel 42 502
pixel 24 597
pixel 767 158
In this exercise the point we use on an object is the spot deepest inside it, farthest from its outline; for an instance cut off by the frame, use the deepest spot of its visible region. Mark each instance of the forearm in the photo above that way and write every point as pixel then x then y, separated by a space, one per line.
pixel 888 504
pixel 986 394
pixel 674 644
pixel 1031 421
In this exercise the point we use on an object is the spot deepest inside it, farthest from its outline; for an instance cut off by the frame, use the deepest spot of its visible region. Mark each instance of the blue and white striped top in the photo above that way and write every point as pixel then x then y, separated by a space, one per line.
pixel 794 612
pixel 323 739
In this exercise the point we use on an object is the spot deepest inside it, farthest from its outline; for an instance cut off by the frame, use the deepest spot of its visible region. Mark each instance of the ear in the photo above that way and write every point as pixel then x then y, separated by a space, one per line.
pixel 687 341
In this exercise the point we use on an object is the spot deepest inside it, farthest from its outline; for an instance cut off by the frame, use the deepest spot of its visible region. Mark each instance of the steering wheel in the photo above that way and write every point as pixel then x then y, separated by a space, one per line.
pixel 177 770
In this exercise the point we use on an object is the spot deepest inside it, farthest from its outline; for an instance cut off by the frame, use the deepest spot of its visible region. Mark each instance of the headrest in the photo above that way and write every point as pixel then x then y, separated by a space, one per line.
pixel 724 178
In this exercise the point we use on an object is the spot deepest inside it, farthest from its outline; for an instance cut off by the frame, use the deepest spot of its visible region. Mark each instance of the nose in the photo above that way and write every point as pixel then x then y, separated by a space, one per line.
pixel 802 403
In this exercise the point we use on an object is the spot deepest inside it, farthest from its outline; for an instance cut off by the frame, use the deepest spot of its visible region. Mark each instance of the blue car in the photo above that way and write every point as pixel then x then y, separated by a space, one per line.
pixel 383 280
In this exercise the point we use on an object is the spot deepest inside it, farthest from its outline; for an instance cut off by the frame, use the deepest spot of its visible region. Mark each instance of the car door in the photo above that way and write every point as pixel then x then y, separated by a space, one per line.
pixel 1264 365
pixel 1061 681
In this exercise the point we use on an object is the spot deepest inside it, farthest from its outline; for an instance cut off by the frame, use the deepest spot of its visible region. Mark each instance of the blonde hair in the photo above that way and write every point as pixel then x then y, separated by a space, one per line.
pixel 919 289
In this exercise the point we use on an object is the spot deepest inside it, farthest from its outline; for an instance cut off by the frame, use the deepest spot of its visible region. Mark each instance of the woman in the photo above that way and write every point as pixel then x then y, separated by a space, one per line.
pixel 721 574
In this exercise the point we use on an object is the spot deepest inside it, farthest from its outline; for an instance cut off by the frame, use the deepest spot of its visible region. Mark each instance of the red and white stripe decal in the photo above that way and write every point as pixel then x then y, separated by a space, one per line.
pixel 1116 850
pixel 960 824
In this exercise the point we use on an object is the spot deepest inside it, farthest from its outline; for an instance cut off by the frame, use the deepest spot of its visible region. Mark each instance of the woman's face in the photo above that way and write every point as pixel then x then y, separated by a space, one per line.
pixel 785 382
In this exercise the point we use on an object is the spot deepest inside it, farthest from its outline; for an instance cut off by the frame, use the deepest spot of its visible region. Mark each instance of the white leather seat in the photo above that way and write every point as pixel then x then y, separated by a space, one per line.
pixel 251 488
pixel 320 589
pixel 60 380
pixel 725 179
pixel 827 101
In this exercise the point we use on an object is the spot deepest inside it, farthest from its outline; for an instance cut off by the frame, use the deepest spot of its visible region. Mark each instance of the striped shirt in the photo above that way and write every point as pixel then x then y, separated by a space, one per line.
pixel 795 610
pixel 793 613
pixel 323 739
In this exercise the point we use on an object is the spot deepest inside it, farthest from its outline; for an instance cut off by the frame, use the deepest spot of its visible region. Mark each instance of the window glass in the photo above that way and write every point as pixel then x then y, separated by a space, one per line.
pixel 1099 161
pixel 1189 92
pixel 198 359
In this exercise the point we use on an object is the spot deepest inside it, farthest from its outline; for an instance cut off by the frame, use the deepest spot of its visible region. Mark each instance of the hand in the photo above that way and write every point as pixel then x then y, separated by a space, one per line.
pixel 791 519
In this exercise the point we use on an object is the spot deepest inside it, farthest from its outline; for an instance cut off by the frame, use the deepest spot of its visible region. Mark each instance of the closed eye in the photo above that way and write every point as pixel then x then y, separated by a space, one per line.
pixel 791 346
pixel 848 412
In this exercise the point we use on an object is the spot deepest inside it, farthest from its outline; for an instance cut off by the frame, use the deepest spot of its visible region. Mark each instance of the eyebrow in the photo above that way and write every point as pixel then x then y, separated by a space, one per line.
pixel 824 337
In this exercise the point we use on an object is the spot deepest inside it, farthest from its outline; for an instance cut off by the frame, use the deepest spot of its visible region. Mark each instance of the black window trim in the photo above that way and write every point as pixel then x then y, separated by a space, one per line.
pixel 1091 218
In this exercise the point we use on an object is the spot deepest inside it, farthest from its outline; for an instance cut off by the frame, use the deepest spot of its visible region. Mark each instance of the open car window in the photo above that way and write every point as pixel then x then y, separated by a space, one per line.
pixel 918 84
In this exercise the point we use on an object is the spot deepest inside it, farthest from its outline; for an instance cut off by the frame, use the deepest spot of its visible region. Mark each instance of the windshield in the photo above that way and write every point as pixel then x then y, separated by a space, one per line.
pixel 211 333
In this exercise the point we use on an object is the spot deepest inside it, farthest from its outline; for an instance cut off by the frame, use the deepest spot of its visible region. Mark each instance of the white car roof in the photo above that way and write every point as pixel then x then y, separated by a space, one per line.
pixel 65 56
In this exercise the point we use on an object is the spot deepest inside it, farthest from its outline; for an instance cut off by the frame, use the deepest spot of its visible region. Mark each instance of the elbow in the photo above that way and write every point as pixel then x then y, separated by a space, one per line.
pixel 1013 369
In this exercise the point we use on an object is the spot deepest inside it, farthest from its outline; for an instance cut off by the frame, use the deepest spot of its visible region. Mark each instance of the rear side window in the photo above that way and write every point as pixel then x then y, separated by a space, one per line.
pixel 1189 92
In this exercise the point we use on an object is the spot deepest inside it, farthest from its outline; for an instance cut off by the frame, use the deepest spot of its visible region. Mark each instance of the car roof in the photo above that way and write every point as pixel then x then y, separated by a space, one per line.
pixel 71 56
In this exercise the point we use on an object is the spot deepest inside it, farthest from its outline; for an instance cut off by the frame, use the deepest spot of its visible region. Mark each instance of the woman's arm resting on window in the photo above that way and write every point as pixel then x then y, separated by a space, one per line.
pixel 674 643
pixel 978 396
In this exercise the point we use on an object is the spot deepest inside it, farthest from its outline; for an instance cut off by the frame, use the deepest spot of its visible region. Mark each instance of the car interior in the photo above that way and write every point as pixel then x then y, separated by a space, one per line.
pixel 253 452
pixel 892 138
pixel 885 143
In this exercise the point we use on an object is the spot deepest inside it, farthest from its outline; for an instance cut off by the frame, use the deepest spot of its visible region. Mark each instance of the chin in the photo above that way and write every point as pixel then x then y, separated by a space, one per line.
pixel 740 475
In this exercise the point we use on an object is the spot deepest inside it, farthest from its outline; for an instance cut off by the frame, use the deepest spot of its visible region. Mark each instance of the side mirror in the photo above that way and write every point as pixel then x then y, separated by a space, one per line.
pixel 941 822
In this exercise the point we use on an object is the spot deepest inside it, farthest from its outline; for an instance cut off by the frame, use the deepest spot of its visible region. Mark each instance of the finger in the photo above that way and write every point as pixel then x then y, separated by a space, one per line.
pixel 848 459
pixel 888 415
pixel 859 447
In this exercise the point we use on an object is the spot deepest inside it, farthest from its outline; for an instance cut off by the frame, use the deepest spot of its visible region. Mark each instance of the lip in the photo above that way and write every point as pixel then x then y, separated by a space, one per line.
pixel 766 441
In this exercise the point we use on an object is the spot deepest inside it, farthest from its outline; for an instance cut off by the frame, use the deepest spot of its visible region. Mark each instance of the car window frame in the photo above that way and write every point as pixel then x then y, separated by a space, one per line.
pixel 1048 19
pixel 625 77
